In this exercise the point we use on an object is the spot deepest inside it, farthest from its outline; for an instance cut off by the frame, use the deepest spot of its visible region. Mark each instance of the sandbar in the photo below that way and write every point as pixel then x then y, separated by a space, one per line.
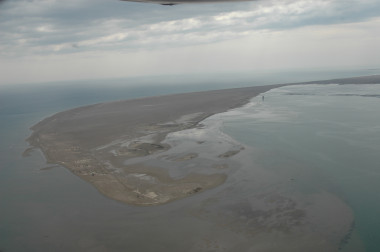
pixel 94 142
pixel 145 152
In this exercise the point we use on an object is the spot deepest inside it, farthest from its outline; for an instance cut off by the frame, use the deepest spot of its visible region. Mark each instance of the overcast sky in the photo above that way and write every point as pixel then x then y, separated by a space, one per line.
pixel 51 40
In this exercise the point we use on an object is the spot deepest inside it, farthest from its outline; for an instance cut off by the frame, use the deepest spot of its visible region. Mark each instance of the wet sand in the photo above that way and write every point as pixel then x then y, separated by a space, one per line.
pixel 94 142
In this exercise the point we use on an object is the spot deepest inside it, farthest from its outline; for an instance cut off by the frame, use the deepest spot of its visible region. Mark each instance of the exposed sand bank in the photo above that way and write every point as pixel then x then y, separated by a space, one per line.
pixel 94 142
pixel 126 149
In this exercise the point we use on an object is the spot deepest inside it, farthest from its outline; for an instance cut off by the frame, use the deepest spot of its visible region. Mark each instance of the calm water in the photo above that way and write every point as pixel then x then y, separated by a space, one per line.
pixel 331 130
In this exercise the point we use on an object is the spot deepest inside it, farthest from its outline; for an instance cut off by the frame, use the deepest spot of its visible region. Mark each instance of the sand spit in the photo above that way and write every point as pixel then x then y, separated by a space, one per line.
pixel 95 141
pixel 152 151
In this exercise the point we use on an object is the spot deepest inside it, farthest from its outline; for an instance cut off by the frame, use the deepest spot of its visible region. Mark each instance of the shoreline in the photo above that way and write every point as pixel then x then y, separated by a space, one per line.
pixel 95 141
pixel 235 199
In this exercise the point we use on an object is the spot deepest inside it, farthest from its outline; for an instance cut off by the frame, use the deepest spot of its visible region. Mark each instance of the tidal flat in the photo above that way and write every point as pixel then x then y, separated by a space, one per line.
pixel 152 151
pixel 94 142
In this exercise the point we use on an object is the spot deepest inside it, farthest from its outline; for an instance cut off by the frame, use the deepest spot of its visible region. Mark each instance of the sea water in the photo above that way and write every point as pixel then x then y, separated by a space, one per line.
pixel 330 132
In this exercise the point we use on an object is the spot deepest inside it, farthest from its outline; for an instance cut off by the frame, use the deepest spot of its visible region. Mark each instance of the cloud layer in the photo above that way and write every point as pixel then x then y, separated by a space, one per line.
pixel 97 28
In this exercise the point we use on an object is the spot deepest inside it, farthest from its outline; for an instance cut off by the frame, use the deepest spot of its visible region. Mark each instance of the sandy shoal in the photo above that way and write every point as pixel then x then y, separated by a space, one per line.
pixel 110 145
pixel 94 141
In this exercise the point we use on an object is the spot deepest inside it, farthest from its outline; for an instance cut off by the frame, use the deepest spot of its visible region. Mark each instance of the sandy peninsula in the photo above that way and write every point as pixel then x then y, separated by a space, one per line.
pixel 156 150
pixel 95 142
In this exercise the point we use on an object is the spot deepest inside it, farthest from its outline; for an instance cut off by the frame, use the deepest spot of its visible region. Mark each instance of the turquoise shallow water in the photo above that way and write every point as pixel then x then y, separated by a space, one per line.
pixel 326 132
pixel 329 133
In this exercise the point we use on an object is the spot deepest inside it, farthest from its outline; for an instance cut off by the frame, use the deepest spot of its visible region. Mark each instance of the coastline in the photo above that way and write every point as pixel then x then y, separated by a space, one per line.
pixel 95 141
pixel 169 160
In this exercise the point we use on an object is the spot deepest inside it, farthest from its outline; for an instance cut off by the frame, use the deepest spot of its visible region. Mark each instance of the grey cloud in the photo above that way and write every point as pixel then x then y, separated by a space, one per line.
pixel 51 26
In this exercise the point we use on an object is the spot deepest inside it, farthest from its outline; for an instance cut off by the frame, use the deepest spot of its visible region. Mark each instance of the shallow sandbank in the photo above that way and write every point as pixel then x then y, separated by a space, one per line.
pixel 144 161
pixel 95 141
